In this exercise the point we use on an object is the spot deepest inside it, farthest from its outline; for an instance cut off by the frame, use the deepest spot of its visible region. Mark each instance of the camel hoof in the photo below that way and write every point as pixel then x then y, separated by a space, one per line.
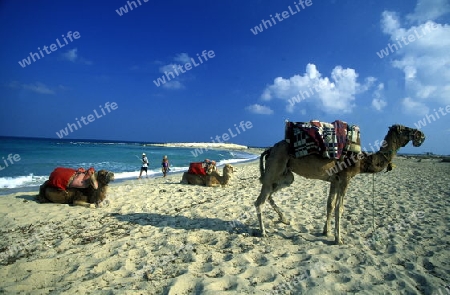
pixel 258 233
pixel 326 233
pixel 285 221
pixel 338 242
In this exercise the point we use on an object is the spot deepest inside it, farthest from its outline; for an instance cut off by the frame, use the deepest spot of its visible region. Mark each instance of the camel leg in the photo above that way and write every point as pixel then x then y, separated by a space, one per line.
pixel 331 204
pixel 266 192
pixel 84 204
pixel 339 211
pixel 280 214
pixel 272 178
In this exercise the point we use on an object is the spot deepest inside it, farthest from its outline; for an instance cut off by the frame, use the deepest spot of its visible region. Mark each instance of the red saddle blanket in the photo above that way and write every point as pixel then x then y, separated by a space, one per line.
pixel 197 168
pixel 60 177
pixel 330 140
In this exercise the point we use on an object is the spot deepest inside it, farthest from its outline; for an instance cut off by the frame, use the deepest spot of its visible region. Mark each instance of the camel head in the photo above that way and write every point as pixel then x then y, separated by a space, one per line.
pixel 104 177
pixel 228 170
pixel 405 134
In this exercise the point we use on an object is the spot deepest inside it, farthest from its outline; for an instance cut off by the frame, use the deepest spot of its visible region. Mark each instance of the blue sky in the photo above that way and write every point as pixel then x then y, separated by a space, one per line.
pixel 330 48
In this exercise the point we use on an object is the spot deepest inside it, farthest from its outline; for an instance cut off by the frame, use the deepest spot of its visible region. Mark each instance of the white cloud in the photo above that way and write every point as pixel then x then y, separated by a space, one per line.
pixel 413 107
pixel 38 87
pixel 13 84
pixel 182 57
pixel 259 109
pixel 72 55
pixel 389 22
pixel 429 10
pixel 168 68
pixel 378 103
pixel 422 53
pixel 333 95
pixel 85 61
pixel 173 85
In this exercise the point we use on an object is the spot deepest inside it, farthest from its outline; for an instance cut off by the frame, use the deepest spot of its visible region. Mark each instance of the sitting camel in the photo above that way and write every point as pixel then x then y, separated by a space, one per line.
pixel 212 178
pixel 91 195
pixel 280 165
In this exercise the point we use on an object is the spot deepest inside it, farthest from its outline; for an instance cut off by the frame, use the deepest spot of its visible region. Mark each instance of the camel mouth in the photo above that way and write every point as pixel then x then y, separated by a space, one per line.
pixel 417 144
pixel 105 176
pixel 111 176
pixel 418 138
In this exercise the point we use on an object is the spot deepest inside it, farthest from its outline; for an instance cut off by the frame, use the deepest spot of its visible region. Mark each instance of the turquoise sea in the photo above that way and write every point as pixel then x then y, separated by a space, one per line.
pixel 25 163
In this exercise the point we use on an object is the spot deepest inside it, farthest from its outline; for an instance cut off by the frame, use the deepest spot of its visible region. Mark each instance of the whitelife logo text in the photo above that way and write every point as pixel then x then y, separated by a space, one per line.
pixel 53 47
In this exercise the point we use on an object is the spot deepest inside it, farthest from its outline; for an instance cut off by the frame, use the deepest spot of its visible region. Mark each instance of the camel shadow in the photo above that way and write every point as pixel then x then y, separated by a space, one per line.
pixel 327 240
pixel 182 222
pixel 29 198
pixel 298 237
pixel 214 224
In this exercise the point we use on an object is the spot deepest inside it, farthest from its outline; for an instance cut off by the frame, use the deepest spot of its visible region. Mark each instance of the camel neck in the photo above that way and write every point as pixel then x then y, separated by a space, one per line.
pixel 380 160
pixel 390 147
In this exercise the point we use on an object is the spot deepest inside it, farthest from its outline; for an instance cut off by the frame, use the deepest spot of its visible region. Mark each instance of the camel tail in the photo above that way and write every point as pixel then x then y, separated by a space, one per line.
pixel 264 155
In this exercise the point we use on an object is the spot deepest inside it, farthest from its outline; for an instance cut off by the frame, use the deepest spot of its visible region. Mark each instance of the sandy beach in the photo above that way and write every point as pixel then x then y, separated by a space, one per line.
pixel 158 236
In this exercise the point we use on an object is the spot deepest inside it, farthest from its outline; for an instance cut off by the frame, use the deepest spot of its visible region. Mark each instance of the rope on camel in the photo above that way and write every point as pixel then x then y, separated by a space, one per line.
pixel 373 203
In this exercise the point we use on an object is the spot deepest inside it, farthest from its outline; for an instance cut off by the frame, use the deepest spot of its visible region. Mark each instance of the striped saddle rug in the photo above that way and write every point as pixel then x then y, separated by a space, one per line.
pixel 330 140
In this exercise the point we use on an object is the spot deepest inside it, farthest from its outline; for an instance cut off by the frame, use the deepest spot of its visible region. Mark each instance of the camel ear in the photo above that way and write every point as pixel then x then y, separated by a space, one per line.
pixel 396 127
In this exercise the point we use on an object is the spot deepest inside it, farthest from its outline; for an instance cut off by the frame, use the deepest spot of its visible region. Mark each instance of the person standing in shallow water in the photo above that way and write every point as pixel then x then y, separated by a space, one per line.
pixel 165 165
pixel 144 165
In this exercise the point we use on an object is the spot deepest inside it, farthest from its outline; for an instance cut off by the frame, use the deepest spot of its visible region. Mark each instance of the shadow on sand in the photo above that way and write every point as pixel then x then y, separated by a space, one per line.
pixel 29 198
pixel 182 222
pixel 214 224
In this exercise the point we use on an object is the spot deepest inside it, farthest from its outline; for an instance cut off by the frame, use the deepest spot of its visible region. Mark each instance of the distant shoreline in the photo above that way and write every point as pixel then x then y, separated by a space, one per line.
pixel 207 145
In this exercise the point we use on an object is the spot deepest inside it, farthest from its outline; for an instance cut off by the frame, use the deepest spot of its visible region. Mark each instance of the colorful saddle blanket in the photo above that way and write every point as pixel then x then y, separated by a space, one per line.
pixel 330 140
pixel 197 168
pixel 62 177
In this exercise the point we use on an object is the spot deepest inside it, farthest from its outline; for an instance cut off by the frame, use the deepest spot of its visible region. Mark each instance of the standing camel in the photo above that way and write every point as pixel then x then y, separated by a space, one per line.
pixel 280 165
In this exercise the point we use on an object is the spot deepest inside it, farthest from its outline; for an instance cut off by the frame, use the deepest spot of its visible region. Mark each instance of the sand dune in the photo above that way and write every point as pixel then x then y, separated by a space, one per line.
pixel 161 237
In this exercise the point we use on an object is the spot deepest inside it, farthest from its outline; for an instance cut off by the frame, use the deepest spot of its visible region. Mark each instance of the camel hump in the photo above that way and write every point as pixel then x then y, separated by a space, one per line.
pixel 329 140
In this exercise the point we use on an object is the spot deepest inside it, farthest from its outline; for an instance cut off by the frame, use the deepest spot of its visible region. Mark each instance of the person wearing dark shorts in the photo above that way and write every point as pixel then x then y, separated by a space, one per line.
pixel 144 165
